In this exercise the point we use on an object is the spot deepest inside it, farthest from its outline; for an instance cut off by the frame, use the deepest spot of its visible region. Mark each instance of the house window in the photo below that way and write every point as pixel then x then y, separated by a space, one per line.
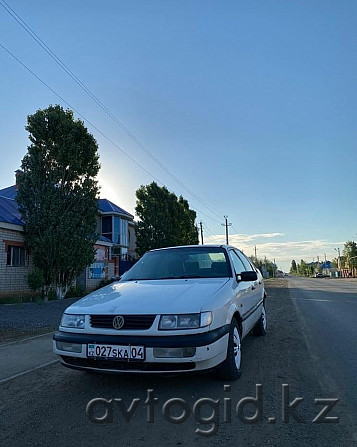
pixel 124 232
pixel 116 232
pixel 107 227
pixel 16 256
pixel 115 229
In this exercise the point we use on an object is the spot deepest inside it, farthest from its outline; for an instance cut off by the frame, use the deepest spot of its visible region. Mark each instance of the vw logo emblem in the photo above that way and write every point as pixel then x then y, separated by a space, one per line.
pixel 118 322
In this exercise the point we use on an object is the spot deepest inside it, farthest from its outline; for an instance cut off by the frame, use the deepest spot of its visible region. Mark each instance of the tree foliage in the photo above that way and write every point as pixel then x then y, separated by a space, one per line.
pixel 165 220
pixel 35 279
pixel 57 195
pixel 350 254
pixel 307 269
pixel 347 260
pixel 266 267
pixel 304 269
pixel 293 268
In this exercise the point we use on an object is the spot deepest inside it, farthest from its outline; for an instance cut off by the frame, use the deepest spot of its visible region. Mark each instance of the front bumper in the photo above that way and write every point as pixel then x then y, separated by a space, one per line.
pixel 211 350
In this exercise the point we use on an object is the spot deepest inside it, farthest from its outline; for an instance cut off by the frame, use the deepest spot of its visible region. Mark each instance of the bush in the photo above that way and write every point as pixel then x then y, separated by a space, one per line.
pixel 51 295
pixel 74 292
pixel 35 279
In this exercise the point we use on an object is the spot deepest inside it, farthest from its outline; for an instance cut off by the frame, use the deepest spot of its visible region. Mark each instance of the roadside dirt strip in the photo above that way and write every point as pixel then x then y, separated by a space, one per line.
pixel 22 357
pixel 29 319
pixel 42 405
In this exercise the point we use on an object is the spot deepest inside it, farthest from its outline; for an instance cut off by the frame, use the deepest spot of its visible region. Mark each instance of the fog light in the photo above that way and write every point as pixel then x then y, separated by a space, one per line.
pixel 174 352
pixel 70 347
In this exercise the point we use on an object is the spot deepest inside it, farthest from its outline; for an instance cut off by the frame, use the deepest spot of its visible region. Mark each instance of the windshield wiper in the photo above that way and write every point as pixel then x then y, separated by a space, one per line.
pixel 183 277
pixel 167 277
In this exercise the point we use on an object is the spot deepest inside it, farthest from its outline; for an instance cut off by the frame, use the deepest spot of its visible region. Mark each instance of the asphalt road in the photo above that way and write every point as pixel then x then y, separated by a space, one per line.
pixel 327 310
pixel 44 404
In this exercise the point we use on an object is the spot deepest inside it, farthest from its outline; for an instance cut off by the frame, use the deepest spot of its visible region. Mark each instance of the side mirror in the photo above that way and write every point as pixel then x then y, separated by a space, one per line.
pixel 248 276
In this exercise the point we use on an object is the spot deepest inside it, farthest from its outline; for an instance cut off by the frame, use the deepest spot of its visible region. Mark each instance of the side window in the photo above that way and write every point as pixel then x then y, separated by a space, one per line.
pixel 237 263
pixel 247 265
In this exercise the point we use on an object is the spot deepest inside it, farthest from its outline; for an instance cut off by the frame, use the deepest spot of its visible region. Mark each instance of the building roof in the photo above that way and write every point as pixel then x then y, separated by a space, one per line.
pixel 9 211
pixel 104 239
pixel 106 206
pixel 9 192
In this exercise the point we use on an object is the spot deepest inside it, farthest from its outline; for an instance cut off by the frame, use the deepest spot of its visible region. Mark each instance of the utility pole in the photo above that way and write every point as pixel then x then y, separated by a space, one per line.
pixel 226 224
pixel 255 251
pixel 325 266
pixel 201 230
pixel 265 264
pixel 339 257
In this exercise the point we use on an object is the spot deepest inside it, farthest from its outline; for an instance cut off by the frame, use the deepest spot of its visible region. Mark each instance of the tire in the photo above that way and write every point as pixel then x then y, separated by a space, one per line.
pixel 260 329
pixel 230 369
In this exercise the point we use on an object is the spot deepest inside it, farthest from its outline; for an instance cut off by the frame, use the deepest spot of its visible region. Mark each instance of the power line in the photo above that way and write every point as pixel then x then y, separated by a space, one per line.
pixel 48 50
pixel 234 229
pixel 210 232
pixel 204 214
pixel 78 113
pixel 91 124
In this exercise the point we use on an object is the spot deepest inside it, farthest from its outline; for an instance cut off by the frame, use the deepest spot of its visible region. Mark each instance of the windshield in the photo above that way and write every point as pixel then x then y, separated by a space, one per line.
pixel 185 262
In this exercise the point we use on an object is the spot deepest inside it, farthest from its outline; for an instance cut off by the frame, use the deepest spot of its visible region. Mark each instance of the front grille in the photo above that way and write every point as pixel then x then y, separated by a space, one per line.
pixel 132 322
pixel 128 365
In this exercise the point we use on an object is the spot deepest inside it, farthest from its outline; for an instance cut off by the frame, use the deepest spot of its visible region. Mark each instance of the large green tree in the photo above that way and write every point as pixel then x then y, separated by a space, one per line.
pixel 57 196
pixel 165 220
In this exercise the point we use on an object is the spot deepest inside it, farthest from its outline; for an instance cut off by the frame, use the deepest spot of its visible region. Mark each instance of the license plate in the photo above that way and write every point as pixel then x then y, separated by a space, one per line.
pixel 116 352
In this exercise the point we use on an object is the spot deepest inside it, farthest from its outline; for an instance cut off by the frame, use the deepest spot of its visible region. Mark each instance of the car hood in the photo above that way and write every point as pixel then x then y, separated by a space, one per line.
pixel 150 297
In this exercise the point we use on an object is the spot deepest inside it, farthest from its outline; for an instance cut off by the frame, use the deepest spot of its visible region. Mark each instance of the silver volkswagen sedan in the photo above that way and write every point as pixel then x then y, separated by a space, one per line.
pixel 177 309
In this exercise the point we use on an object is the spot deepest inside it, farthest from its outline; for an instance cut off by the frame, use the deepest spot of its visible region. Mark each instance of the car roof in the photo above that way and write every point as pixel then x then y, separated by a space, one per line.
pixel 194 246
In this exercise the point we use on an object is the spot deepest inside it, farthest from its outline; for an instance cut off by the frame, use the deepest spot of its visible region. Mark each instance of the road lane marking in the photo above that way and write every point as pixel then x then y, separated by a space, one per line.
pixel 28 371
pixel 20 340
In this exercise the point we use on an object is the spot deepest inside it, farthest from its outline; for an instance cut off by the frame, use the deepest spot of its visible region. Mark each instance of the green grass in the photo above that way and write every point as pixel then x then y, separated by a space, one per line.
pixel 18 299
pixel 36 297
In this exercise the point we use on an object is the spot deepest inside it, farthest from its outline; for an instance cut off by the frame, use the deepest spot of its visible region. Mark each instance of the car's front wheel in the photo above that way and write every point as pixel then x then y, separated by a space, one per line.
pixel 230 369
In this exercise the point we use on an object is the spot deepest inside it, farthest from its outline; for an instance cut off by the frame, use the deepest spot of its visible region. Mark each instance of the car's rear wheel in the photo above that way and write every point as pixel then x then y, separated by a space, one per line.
pixel 230 369
pixel 260 329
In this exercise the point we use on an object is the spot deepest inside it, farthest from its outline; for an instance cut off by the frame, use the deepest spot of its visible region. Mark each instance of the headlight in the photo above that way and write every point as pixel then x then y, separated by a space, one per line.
pixel 75 321
pixel 185 321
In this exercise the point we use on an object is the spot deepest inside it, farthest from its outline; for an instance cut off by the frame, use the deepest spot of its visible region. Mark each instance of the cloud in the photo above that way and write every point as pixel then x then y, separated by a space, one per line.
pixel 282 251
pixel 240 238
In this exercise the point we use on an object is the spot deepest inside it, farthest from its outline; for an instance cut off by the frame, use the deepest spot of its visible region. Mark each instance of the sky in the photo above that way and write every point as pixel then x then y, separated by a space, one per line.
pixel 245 108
